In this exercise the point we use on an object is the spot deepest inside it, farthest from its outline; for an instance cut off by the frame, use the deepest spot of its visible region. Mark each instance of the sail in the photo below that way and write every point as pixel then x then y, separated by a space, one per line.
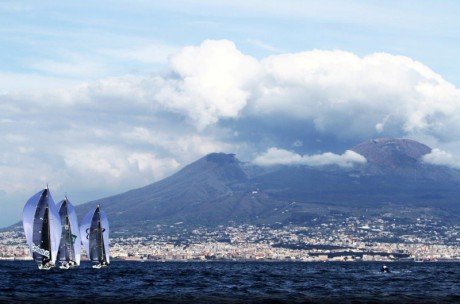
pixel 95 236
pixel 70 244
pixel 42 227
pixel 105 234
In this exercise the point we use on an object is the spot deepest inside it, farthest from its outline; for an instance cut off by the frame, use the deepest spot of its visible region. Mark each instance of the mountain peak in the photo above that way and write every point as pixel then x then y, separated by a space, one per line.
pixel 392 152
pixel 218 188
pixel 215 166
pixel 221 158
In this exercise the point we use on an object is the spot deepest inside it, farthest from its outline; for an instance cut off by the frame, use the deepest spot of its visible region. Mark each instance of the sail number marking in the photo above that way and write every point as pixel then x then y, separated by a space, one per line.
pixel 41 251
pixel 88 231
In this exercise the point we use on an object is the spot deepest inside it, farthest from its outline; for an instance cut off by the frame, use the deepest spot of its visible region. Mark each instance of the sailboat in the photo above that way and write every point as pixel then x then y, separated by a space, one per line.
pixel 95 237
pixel 42 228
pixel 70 245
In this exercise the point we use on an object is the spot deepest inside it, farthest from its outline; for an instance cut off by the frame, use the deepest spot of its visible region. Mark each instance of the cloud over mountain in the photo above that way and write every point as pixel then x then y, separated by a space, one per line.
pixel 208 82
pixel 124 131
pixel 442 158
pixel 275 156
pixel 339 92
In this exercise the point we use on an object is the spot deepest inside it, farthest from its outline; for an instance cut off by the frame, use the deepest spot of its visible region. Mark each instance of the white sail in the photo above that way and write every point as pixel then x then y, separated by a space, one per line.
pixel 94 232
pixel 70 244
pixel 42 228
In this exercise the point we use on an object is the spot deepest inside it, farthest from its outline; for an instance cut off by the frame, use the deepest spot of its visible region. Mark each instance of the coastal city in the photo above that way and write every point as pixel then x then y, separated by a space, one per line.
pixel 347 239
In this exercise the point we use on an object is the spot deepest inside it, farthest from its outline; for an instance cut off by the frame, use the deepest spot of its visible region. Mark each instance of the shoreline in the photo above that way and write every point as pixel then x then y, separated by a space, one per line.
pixel 247 261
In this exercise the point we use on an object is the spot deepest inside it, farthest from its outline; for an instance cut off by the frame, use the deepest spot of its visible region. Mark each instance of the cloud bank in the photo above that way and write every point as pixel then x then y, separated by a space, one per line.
pixel 441 158
pixel 110 135
pixel 339 92
pixel 275 156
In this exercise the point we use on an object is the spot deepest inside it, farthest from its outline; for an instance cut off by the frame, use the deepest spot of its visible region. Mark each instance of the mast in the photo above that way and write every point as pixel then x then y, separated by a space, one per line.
pixel 63 248
pixel 46 223
pixel 47 240
pixel 101 238
pixel 69 244
pixel 49 234
pixel 70 240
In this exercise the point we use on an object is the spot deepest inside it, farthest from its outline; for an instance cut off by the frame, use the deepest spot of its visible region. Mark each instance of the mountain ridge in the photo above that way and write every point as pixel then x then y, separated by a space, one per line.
pixel 218 188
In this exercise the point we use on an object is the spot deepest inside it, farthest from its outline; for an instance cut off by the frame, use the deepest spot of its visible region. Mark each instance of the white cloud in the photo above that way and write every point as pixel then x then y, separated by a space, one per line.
pixel 25 175
pixel 380 126
pixel 339 92
pixel 121 132
pixel 348 95
pixel 100 160
pixel 275 156
pixel 111 165
pixel 209 82
pixel 152 165
pixel 188 146
pixel 441 158
pixel 336 91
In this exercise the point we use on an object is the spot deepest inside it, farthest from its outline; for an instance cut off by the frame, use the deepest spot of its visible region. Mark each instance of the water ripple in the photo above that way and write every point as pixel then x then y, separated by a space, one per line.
pixel 232 282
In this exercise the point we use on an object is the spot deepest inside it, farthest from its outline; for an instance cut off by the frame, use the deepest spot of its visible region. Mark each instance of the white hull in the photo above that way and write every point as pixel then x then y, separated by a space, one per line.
pixel 67 265
pixel 45 267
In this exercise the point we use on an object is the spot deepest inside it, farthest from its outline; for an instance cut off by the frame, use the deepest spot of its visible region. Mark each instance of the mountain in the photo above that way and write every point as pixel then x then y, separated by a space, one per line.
pixel 394 172
pixel 211 190
pixel 399 157
pixel 218 188
pixel 392 153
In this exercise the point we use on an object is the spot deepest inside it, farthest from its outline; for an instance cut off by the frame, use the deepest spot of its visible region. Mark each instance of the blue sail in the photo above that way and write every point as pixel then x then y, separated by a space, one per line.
pixel 70 244
pixel 94 232
pixel 42 227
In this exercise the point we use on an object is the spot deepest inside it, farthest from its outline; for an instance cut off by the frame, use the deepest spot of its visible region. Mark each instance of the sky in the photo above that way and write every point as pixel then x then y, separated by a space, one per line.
pixel 97 98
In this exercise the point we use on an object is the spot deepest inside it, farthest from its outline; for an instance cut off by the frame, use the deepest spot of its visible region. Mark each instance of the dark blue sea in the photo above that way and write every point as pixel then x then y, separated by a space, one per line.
pixel 232 282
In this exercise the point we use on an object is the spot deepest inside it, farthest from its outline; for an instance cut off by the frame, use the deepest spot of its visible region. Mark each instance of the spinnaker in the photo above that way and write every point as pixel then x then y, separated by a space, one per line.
pixel 70 244
pixel 42 228
pixel 94 231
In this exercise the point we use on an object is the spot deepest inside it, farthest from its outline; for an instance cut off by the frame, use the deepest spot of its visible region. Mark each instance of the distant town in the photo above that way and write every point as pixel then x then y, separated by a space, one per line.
pixel 339 239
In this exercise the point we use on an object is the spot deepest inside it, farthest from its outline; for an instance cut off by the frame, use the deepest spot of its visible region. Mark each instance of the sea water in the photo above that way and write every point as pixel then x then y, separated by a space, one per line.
pixel 232 282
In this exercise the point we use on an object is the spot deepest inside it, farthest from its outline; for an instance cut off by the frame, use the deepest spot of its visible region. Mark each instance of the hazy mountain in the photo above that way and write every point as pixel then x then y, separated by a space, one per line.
pixel 211 190
pixel 398 157
pixel 219 188
pixel 394 172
